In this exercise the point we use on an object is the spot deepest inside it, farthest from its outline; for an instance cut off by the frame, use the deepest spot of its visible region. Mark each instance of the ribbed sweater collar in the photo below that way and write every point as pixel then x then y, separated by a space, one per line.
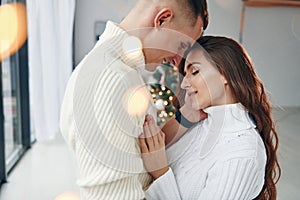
pixel 221 120
pixel 113 39
pixel 228 118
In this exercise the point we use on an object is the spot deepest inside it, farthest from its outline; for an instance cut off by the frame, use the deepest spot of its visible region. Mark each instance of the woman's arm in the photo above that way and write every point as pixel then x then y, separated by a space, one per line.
pixel 152 143
pixel 174 130
pixel 163 188
pixel 238 178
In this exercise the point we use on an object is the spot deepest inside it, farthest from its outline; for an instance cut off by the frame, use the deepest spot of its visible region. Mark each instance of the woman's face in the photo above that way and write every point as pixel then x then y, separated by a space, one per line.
pixel 204 84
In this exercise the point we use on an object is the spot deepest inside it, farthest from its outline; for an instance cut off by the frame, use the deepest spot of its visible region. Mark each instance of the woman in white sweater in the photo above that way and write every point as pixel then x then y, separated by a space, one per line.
pixel 232 153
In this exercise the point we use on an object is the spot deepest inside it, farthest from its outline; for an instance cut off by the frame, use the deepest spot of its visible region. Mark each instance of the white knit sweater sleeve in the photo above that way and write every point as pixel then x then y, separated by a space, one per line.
pixel 232 179
pixel 164 188
pixel 98 179
pixel 102 116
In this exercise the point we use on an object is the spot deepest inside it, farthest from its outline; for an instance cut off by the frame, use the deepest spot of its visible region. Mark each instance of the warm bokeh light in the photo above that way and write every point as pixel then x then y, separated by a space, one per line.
pixel 13 28
pixel 68 196
pixel 132 47
pixel 136 101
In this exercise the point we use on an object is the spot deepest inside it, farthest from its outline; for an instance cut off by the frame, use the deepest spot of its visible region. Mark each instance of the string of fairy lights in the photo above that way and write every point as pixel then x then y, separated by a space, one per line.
pixel 163 91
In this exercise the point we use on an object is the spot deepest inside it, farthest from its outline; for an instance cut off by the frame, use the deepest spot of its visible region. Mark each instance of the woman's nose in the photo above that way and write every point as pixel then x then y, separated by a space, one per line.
pixel 185 84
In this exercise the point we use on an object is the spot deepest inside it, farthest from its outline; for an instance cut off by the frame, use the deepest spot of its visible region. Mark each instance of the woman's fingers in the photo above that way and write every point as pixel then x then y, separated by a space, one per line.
pixel 154 129
pixel 203 115
pixel 153 148
pixel 161 138
pixel 143 145
pixel 154 138
pixel 152 124
pixel 148 137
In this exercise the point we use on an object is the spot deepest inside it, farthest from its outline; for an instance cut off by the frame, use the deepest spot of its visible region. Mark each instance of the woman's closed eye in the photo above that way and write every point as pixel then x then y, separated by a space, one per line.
pixel 195 72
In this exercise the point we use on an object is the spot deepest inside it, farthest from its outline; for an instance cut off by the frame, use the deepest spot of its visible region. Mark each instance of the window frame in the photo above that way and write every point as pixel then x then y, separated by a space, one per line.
pixel 24 109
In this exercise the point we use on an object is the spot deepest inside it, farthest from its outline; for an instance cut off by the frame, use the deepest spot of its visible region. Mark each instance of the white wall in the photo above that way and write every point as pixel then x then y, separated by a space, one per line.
pixel 271 36
pixel 90 11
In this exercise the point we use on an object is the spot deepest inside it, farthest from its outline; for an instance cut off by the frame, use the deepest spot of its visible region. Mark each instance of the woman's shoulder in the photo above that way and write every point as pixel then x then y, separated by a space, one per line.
pixel 243 144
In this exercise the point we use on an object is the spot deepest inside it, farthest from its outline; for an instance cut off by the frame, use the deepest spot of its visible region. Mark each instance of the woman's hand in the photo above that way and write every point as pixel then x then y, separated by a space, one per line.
pixel 190 113
pixel 152 144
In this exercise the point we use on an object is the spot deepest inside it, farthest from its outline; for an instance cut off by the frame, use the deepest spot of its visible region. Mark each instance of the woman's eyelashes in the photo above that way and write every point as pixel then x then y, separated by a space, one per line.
pixel 195 72
pixel 191 70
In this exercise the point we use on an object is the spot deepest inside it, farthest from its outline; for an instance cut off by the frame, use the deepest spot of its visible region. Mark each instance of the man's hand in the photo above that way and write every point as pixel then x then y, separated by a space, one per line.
pixel 152 144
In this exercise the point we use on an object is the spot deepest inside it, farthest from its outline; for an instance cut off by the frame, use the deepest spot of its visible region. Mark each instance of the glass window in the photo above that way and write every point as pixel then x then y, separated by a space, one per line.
pixel 11 104
pixel 14 94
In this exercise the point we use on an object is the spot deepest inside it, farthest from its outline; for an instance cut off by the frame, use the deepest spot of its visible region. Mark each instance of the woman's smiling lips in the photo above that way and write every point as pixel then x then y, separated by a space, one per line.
pixel 190 94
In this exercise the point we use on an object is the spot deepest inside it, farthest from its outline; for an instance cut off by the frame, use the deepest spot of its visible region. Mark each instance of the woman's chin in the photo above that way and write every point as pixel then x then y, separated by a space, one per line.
pixel 196 106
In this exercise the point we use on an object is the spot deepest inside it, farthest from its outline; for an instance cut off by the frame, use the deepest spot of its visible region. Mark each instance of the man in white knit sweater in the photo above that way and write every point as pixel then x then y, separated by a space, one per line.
pixel 106 99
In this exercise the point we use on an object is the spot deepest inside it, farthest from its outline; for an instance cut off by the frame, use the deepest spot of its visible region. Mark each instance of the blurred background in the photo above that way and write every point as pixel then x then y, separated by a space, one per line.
pixel 41 42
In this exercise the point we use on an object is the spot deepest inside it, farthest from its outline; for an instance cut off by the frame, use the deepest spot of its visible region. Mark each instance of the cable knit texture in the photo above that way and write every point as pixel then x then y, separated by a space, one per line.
pixel 222 157
pixel 96 125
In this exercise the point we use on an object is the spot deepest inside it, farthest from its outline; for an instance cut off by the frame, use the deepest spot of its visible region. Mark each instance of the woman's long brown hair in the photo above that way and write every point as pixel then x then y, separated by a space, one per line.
pixel 233 62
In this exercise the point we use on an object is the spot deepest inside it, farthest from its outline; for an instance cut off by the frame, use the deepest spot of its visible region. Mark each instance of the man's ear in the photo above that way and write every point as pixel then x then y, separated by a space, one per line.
pixel 162 17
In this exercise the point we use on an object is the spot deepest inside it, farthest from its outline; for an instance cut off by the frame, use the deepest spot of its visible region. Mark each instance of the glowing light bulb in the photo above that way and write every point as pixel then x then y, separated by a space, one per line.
pixel 159 104
pixel 166 103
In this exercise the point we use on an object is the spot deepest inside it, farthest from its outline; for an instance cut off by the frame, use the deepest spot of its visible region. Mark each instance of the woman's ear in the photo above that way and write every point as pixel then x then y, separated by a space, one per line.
pixel 163 17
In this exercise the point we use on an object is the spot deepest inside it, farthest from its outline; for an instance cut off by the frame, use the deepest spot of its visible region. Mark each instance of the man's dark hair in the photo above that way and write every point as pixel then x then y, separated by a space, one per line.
pixel 194 8
pixel 199 7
